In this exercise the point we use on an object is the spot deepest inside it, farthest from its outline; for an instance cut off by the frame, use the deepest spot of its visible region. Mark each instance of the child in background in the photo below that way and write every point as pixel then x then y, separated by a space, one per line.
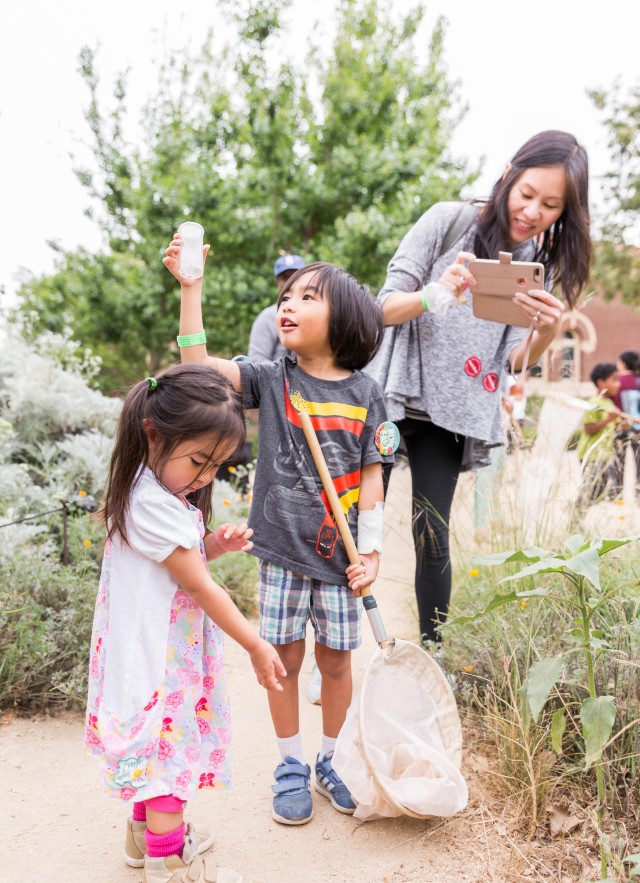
pixel 332 327
pixel 158 711
pixel 596 443
pixel 628 366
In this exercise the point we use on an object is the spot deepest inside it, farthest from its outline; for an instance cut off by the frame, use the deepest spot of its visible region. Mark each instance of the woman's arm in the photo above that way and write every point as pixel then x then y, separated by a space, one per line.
pixel 191 321
pixel 187 569
pixel 545 311
pixel 401 306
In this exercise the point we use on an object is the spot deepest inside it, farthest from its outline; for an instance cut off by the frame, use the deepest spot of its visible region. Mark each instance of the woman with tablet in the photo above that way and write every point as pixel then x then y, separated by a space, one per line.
pixel 441 369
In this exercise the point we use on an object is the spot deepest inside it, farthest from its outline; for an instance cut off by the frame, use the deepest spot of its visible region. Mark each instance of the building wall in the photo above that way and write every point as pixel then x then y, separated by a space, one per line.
pixel 617 327
pixel 600 331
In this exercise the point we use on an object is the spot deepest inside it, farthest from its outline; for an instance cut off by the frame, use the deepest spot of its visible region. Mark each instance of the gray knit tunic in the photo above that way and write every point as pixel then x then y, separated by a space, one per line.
pixel 447 367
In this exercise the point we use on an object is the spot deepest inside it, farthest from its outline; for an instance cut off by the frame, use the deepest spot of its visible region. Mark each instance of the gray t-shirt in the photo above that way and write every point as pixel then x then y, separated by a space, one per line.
pixel 264 343
pixel 446 366
pixel 290 514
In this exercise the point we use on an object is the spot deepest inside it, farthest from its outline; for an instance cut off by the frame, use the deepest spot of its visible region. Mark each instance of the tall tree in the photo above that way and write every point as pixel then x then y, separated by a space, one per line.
pixel 235 140
pixel 617 265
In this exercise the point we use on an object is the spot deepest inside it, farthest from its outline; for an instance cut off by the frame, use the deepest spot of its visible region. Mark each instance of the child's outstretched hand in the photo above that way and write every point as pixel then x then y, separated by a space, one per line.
pixel 228 538
pixel 267 666
pixel 363 574
pixel 172 260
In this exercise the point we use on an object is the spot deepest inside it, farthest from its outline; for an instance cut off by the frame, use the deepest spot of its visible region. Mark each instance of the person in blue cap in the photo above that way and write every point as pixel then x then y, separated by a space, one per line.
pixel 264 345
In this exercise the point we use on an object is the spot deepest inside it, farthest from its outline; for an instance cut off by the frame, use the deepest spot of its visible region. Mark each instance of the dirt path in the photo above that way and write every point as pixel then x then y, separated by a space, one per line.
pixel 58 825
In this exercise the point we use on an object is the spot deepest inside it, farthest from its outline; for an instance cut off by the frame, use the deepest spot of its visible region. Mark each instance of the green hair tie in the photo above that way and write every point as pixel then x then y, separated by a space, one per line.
pixel 153 383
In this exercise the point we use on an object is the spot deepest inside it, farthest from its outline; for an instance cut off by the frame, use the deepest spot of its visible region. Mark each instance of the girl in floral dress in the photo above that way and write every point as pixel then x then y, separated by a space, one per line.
pixel 158 710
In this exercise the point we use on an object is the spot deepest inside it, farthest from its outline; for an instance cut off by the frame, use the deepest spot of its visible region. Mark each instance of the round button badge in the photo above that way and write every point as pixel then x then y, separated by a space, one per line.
pixel 387 438
pixel 473 366
pixel 490 381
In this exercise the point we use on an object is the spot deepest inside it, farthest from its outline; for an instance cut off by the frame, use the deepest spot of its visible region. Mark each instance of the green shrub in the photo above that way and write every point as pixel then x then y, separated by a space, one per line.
pixel 55 441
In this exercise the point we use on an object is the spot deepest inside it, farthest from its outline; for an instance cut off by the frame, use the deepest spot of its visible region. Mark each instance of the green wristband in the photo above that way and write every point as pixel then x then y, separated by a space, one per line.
pixel 191 339
pixel 423 299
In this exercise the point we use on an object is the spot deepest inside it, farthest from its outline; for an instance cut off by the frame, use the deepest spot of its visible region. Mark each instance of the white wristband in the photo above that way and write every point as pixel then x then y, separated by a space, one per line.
pixel 371 529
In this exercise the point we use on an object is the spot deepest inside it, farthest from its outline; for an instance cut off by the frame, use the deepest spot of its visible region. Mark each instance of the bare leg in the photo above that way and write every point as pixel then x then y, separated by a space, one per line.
pixel 284 706
pixel 337 687
pixel 163 822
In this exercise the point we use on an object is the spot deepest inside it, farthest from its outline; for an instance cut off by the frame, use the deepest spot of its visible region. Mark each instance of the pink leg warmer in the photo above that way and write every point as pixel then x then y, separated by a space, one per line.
pixel 139 813
pixel 166 803
pixel 162 845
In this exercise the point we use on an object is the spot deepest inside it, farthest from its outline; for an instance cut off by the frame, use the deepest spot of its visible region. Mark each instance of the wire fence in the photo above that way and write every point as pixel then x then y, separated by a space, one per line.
pixel 81 503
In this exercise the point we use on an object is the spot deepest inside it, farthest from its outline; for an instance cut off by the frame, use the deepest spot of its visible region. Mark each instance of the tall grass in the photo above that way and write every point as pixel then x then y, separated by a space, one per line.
pixel 537 761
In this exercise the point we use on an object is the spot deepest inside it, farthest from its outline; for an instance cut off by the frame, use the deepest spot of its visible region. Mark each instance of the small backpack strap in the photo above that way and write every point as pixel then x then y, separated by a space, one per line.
pixel 459 225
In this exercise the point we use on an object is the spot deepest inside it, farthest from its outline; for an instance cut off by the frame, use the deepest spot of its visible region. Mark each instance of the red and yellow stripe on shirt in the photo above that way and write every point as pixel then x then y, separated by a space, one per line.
pixel 331 415
pixel 325 415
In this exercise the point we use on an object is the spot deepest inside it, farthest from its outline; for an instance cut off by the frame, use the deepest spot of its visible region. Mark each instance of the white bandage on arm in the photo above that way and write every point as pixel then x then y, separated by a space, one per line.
pixel 371 529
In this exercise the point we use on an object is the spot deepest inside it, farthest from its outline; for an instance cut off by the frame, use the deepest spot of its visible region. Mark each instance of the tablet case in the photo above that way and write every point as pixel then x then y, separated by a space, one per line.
pixel 497 282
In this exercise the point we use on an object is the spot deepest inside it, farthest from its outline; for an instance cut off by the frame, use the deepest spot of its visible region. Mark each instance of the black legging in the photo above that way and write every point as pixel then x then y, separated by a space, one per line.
pixel 435 459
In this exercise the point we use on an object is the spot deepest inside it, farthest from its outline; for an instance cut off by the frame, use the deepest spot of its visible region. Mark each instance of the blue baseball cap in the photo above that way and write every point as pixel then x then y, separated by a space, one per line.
pixel 287 262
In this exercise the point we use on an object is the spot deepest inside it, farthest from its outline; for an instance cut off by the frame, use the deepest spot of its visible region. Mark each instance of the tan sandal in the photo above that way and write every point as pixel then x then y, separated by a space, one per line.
pixel 191 868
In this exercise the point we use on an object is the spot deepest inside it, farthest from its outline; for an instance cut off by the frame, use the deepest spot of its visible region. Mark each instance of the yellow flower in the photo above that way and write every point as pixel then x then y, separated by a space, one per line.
pixel 226 502
pixel 468 668
pixel 523 604
pixel 474 572
pixel 231 469
pixel 619 502
pixel 621 517
pixel 86 543
pixel 82 493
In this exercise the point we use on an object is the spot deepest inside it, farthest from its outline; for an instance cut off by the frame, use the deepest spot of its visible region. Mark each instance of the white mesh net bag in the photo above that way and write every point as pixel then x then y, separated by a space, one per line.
pixel 400 748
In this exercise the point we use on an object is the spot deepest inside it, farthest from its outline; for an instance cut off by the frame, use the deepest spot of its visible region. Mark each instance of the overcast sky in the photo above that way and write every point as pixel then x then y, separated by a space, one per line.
pixel 522 67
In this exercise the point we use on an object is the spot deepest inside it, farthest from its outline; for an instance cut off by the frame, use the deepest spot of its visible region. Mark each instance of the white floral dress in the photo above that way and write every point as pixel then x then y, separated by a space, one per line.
pixel 158 710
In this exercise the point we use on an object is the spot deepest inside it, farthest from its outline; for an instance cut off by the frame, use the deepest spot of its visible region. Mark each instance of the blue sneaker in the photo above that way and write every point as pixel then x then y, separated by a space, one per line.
pixel 292 804
pixel 329 783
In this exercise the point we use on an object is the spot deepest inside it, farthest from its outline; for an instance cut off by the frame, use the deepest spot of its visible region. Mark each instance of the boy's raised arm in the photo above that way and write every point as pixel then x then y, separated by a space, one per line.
pixel 191 322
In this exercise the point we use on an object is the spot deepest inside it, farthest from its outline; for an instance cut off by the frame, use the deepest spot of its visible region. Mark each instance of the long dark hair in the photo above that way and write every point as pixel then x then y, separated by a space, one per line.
pixel 566 248
pixel 356 325
pixel 189 401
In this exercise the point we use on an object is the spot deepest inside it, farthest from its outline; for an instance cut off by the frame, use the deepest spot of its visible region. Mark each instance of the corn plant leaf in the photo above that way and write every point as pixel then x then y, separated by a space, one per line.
pixel 576 543
pixel 533 553
pixel 606 545
pixel 586 563
pixel 539 682
pixel 545 565
pixel 496 602
pixel 635 861
pixel 597 717
pixel 558 726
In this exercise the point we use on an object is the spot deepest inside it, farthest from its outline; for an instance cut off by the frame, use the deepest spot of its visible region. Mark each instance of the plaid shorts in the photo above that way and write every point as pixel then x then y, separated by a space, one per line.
pixel 288 600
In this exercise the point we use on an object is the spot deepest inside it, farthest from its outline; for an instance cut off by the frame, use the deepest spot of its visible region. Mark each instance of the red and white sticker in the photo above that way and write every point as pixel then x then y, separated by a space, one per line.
pixel 473 366
pixel 490 382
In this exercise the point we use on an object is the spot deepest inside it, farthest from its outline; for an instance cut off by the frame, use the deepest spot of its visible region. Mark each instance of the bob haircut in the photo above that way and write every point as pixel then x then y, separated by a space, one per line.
pixel 356 325
pixel 189 402
pixel 566 248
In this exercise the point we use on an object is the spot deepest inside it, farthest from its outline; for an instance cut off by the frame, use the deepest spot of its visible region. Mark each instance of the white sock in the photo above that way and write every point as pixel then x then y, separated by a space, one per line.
pixel 328 744
pixel 291 747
